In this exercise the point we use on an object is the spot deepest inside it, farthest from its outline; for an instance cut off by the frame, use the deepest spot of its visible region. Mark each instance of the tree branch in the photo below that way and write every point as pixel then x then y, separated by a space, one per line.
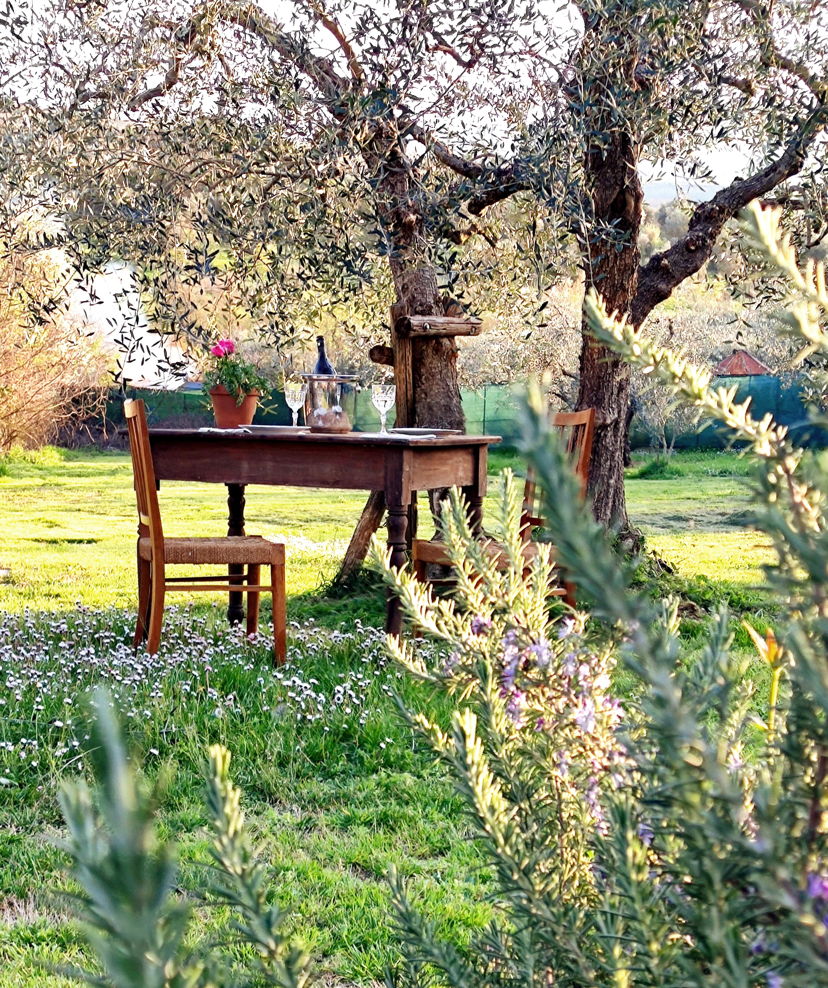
pixel 502 182
pixel 817 238
pixel 170 79
pixel 354 66
pixel 666 270
pixel 746 86
pixel 506 182
pixel 771 57
pixel 445 48
pixel 252 19
pixel 459 165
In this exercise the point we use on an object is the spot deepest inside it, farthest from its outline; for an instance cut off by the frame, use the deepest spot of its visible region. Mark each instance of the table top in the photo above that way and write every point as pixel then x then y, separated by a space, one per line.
pixel 303 435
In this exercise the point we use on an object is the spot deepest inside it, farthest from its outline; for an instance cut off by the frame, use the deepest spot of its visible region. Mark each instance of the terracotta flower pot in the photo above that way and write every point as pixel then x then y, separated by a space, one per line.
pixel 227 413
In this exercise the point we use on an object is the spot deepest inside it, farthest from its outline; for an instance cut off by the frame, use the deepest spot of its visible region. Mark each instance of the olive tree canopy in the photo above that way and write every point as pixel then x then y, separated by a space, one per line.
pixel 619 84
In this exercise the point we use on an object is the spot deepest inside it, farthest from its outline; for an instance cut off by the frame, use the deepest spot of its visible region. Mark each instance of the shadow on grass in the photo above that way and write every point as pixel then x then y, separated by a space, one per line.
pixel 699 595
pixel 361 596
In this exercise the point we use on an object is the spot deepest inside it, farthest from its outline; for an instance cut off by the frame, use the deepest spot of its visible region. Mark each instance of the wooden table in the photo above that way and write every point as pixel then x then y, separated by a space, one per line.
pixel 395 464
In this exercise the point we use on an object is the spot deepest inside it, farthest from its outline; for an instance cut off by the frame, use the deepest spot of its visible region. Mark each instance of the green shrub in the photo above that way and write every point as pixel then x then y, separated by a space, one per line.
pixel 659 468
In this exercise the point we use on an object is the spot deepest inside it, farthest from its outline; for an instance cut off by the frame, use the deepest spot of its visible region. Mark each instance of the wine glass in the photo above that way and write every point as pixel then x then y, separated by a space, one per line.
pixel 382 398
pixel 295 397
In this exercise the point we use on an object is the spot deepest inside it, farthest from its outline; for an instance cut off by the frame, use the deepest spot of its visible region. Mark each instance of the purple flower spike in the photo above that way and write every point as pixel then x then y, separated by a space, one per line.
pixel 510 672
pixel 816 889
pixel 585 716
pixel 566 627
pixel 480 625
pixel 514 707
pixel 541 653
pixel 817 886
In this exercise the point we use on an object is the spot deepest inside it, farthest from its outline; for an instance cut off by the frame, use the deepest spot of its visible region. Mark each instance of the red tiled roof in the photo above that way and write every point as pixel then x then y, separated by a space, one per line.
pixel 740 364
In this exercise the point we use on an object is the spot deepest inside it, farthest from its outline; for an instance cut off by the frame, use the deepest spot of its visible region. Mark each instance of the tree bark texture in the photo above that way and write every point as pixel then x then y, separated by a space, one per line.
pixel 436 385
pixel 612 263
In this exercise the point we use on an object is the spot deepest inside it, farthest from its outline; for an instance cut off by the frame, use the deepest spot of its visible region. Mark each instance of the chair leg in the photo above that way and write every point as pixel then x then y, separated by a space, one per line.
pixel 144 590
pixel 419 568
pixel 569 596
pixel 277 589
pixel 156 616
pixel 253 574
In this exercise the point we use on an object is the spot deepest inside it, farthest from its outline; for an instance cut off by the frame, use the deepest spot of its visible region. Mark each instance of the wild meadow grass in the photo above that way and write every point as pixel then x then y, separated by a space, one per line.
pixel 335 787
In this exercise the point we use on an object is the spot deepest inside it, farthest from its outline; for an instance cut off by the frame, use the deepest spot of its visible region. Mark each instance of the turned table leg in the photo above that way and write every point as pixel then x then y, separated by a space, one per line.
pixel 397 527
pixel 235 526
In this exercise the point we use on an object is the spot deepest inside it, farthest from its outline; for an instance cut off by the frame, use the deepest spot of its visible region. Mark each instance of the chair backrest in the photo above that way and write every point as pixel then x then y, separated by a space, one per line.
pixel 576 431
pixel 143 472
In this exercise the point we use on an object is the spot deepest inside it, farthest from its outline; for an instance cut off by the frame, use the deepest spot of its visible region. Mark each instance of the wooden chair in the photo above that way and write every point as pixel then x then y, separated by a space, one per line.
pixel 155 553
pixel 577 429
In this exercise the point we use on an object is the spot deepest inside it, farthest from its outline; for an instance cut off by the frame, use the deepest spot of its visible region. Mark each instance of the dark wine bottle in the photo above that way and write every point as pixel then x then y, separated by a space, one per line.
pixel 323 365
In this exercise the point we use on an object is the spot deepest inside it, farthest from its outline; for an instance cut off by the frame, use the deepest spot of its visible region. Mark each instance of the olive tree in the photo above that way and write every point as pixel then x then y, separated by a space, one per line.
pixel 617 86
pixel 277 150
pixel 308 145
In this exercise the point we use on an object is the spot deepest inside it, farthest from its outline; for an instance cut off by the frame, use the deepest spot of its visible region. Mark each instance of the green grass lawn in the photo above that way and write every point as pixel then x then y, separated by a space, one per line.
pixel 69 528
pixel 335 786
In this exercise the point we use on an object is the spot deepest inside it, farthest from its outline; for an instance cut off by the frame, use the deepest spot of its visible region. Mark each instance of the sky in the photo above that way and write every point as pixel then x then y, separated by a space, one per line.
pixel 663 184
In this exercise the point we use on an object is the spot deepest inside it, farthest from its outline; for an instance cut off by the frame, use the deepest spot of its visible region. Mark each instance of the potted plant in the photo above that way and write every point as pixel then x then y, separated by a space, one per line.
pixel 235 385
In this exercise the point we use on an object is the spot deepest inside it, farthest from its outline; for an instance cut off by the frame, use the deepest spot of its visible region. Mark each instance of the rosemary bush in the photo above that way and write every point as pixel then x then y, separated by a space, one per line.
pixel 135 922
pixel 698 855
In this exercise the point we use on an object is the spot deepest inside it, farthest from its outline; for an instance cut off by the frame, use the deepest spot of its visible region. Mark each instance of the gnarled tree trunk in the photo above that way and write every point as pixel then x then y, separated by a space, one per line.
pixel 436 388
pixel 611 263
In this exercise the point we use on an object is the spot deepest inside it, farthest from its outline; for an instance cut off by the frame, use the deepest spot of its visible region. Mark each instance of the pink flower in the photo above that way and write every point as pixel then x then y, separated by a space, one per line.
pixel 223 348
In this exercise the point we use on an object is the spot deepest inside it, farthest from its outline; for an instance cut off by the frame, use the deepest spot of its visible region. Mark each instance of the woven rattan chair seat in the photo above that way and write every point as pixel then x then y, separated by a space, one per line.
pixel 243 549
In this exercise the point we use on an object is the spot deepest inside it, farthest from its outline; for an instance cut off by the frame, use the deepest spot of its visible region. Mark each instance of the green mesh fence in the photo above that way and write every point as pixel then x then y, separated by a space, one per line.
pixel 768 395
pixel 490 410
pixel 188 409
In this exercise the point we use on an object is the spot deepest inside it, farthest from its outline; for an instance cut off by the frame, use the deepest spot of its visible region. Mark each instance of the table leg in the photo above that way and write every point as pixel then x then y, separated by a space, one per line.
pixel 397 526
pixel 474 500
pixel 235 526
pixel 413 520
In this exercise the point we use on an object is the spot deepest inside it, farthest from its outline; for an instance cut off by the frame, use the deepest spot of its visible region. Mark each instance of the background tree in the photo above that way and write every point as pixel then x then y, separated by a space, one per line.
pixel 620 82
pixel 51 376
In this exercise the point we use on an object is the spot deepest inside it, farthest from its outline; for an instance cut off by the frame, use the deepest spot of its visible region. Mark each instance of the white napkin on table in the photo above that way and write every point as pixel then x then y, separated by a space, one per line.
pixel 240 429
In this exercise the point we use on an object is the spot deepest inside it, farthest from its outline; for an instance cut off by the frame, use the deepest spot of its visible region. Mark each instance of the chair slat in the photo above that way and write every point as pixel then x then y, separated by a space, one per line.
pixel 149 515
pixel 576 430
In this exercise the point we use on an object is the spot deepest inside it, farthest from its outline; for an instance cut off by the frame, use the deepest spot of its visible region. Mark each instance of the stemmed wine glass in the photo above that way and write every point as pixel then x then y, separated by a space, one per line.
pixel 295 397
pixel 382 398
